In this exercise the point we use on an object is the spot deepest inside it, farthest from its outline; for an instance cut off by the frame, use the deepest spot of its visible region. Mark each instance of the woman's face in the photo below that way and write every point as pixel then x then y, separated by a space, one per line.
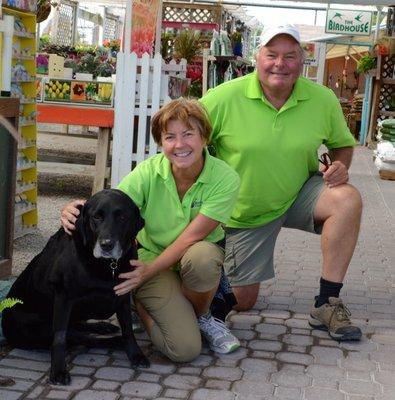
pixel 183 146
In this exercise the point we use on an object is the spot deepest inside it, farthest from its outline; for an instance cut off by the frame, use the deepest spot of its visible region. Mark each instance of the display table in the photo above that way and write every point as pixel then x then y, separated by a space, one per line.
pixel 103 118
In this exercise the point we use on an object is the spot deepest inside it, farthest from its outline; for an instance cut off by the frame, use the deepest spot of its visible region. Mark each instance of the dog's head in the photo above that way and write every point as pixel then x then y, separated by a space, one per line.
pixel 108 223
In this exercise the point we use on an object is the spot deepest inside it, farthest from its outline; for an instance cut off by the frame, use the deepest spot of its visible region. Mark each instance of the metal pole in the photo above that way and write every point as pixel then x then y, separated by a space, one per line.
pixel 376 34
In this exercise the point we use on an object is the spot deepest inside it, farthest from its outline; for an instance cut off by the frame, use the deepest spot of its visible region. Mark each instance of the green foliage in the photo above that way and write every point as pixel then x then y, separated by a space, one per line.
pixel 195 89
pixel 166 44
pixel 8 303
pixel 187 44
pixel 366 63
pixel 45 40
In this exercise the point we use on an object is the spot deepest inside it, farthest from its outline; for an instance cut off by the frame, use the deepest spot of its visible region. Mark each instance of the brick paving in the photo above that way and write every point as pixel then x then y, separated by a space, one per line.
pixel 281 356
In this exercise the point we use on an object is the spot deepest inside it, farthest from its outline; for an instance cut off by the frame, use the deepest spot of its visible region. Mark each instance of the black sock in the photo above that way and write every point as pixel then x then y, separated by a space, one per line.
pixel 327 289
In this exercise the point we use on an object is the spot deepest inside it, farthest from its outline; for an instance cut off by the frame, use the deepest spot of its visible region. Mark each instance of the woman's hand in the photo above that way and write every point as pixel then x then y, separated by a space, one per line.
pixel 336 174
pixel 133 278
pixel 69 215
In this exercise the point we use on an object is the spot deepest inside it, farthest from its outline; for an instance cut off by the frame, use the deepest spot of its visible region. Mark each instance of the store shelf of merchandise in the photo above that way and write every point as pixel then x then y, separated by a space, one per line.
pixel 21 188
pixel 20 210
pixel 24 87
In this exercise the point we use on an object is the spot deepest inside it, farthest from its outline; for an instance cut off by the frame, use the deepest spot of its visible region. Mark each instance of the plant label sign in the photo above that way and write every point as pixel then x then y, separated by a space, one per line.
pixel 348 22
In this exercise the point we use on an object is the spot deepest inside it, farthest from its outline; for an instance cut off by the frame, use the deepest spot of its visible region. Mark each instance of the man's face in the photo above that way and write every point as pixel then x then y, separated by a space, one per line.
pixel 279 64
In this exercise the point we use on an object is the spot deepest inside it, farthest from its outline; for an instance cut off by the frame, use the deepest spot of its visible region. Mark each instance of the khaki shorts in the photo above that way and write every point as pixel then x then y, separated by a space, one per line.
pixel 175 332
pixel 249 252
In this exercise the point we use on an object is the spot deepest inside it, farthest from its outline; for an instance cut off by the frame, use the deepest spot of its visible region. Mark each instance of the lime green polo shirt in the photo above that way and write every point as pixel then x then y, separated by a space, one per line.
pixel 152 187
pixel 273 151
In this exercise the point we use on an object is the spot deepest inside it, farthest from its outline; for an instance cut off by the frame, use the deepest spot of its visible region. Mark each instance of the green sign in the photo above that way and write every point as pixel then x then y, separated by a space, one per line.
pixel 348 22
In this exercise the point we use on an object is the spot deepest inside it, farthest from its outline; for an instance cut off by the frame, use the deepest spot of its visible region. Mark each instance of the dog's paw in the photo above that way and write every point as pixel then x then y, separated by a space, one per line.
pixel 60 378
pixel 140 360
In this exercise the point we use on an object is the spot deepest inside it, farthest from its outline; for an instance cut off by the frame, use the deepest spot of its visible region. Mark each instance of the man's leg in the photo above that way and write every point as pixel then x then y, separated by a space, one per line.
pixel 339 211
pixel 249 260
pixel 246 296
pixel 336 214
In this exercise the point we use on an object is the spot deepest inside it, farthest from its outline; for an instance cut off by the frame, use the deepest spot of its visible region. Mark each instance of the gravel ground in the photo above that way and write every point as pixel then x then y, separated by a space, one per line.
pixel 54 191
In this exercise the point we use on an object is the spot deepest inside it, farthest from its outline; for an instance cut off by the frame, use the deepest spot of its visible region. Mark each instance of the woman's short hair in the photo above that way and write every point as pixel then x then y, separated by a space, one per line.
pixel 186 110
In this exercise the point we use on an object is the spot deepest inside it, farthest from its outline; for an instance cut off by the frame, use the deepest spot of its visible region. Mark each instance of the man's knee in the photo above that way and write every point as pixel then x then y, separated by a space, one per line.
pixel 347 197
pixel 246 296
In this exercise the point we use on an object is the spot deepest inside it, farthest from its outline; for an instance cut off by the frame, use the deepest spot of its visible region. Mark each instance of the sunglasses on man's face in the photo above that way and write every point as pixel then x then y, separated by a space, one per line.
pixel 325 160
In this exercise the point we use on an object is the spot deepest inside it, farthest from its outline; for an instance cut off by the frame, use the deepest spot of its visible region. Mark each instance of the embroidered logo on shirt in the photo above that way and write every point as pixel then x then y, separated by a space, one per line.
pixel 196 203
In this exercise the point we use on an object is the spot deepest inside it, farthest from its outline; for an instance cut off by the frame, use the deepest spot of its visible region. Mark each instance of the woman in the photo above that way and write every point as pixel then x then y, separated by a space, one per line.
pixel 184 194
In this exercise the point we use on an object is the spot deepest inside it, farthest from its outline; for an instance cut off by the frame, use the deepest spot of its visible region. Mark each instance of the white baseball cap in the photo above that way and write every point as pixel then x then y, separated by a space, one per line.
pixel 288 29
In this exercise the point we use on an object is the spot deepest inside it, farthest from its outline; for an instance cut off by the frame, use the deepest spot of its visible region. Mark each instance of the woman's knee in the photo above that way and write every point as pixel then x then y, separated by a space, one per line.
pixel 201 266
pixel 178 348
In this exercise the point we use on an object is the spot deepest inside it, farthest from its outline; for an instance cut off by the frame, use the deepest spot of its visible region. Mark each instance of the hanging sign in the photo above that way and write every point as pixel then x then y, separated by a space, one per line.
pixel 348 22
pixel 144 17
pixel 310 54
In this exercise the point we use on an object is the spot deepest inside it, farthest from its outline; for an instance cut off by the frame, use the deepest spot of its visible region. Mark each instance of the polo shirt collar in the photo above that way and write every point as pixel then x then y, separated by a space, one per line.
pixel 164 168
pixel 254 90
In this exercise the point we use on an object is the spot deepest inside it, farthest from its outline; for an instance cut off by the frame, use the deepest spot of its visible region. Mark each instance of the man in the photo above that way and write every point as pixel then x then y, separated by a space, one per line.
pixel 268 126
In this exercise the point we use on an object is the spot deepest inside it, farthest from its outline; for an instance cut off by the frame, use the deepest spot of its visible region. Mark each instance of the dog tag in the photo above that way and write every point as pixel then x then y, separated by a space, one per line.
pixel 113 266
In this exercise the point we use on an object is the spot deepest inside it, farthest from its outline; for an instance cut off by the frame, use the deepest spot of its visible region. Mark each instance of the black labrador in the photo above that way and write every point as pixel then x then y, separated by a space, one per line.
pixel 72 280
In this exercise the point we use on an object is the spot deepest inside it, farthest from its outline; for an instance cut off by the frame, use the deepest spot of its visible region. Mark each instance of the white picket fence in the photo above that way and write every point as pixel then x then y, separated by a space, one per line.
pixel 141 88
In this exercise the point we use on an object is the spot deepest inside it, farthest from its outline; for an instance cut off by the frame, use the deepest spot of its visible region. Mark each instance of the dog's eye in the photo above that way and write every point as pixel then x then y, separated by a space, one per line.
pixel 122 217
pixel 97 217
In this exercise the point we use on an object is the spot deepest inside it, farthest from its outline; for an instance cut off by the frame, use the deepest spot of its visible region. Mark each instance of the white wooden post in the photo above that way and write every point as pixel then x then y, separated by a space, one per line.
pixel 7 27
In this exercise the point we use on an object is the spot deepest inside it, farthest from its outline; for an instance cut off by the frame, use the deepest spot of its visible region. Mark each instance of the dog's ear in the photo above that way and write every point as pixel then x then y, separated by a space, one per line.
pixel 81 224
pixel 139 220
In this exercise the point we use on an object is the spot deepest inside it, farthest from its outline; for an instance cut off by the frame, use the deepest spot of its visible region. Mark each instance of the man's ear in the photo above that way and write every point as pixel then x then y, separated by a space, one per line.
pixel 81 225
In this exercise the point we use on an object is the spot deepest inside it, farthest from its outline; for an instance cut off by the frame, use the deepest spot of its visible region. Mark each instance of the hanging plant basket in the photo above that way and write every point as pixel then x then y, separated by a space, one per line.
pixel 43 10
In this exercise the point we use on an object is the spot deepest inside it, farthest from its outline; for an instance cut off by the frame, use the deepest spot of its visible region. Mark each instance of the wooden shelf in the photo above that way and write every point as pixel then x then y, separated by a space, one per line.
pixel 388 81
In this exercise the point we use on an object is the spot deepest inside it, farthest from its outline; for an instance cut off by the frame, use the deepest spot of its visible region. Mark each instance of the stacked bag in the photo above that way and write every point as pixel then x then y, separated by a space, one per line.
pixel 385 152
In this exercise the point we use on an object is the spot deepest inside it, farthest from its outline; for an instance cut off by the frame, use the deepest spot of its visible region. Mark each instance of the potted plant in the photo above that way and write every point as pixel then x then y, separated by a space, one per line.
pixel 366 63
pixel 187 44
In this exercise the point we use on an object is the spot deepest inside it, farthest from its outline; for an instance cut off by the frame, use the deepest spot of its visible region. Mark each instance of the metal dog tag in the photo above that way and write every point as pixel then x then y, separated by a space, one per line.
pixel 113 266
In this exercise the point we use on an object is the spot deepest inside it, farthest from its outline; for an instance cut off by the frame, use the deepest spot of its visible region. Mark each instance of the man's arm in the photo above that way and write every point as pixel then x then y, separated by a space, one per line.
pixel 342 154
pixel 337 173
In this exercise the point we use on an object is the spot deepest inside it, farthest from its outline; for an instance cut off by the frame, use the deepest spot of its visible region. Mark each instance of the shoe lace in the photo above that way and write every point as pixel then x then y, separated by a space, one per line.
pixel 214 326
pixel 342 312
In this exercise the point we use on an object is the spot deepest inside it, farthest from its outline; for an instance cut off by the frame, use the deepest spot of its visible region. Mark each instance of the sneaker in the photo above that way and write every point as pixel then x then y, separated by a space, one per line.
pixel 334 318
pixel 217 334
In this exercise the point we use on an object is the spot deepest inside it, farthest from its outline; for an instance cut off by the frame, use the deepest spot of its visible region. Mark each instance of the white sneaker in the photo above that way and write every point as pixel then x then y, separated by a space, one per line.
pixel 217 334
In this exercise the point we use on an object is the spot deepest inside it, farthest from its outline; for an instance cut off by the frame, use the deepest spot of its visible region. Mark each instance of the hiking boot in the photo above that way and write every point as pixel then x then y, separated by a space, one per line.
pixel 217 334
pixel 334 318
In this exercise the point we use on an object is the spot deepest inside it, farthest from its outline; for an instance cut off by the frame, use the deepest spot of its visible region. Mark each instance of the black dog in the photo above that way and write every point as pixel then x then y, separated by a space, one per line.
pixel 72 280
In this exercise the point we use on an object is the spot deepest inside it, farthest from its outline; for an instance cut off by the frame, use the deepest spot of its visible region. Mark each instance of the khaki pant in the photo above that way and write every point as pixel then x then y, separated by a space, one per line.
pixel 175 331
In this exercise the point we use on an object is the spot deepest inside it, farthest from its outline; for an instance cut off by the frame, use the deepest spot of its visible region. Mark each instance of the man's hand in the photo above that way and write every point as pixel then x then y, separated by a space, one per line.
pixel 69 215
pixel 336 174
pixel 133 278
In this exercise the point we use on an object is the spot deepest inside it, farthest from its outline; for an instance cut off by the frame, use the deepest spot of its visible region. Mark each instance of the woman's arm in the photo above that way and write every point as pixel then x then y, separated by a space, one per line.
pixel 199 228
pixel 69 215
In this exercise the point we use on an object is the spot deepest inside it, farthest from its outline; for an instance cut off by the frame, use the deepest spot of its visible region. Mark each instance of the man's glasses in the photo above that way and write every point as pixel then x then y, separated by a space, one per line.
pixel 325 160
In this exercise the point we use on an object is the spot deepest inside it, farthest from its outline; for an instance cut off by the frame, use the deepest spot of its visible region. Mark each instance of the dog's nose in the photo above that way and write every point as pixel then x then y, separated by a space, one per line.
pixel 106 244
